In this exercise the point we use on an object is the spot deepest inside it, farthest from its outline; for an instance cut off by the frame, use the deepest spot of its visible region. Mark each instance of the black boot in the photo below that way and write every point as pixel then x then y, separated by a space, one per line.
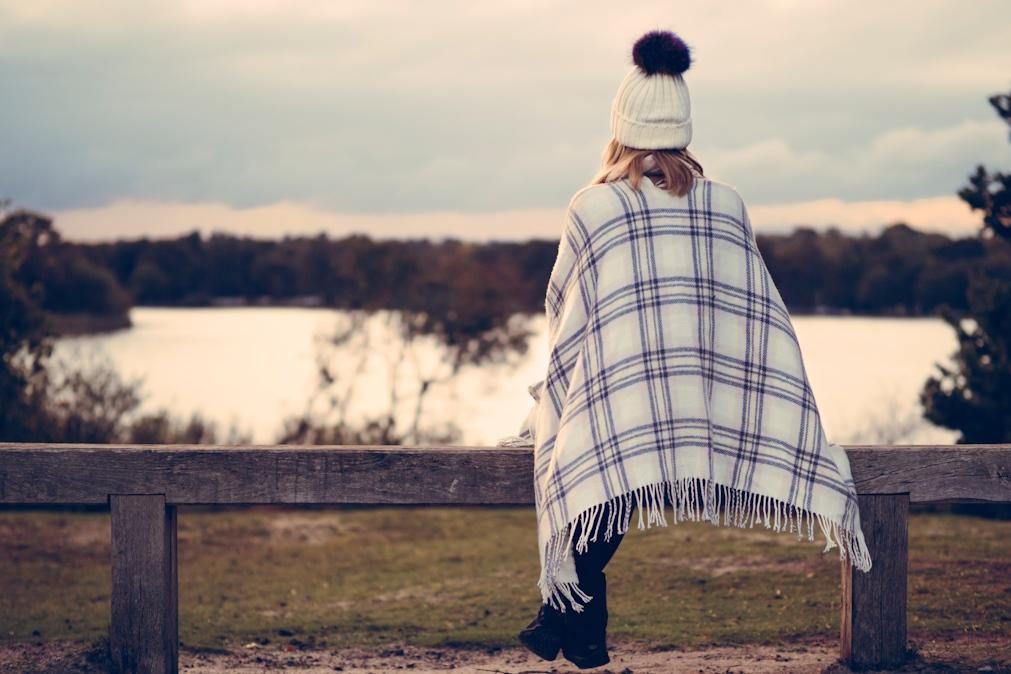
pixel 584 642
pixel 543 636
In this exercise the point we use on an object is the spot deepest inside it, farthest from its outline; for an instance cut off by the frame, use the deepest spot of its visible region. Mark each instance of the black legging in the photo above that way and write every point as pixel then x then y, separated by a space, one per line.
pixel 590 563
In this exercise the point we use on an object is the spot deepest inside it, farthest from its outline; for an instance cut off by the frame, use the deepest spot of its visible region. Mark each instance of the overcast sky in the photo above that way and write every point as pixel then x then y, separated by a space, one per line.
pixel 480 119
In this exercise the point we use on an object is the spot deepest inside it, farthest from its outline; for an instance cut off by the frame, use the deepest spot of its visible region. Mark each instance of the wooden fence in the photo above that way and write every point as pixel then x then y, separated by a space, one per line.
pixel 143 485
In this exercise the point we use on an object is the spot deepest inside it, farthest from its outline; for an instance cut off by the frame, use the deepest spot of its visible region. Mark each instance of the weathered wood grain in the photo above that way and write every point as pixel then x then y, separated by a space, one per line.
pixel 934 474
pixel 189 475
pixel 83 474
pixel 873 621
pixel 144 631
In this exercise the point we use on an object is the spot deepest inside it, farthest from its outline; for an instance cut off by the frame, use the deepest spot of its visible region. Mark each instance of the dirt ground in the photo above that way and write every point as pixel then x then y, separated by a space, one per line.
pixel 936 656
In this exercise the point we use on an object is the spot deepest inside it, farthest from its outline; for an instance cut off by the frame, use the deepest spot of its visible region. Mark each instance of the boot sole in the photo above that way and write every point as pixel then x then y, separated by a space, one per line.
pixel 542 650
pixel 589 663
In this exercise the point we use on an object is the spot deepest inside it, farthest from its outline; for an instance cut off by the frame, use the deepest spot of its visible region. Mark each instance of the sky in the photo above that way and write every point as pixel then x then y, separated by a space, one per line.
pixel 478 120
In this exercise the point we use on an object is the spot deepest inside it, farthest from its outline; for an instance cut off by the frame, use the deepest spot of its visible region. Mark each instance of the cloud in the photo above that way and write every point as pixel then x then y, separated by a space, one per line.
pixel 132 219
pixel 909 161
pixel 946 215
pixel 385 107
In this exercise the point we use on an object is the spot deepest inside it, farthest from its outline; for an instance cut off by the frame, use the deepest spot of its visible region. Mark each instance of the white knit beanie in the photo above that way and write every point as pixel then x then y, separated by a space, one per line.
pixel 652 110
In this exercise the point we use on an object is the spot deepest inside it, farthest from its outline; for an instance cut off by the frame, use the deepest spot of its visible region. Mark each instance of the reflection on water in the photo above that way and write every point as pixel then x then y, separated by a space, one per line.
pixel 256 366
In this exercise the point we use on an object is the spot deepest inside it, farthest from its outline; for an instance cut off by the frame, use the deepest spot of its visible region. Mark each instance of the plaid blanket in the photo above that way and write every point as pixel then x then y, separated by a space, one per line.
pixel 675 378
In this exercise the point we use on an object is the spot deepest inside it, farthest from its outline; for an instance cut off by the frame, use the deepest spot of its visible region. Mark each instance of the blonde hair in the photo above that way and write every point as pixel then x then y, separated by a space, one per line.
pixel 678 167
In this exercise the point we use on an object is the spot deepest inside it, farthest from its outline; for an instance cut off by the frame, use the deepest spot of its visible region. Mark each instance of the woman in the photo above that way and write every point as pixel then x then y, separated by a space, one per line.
pixel 675 377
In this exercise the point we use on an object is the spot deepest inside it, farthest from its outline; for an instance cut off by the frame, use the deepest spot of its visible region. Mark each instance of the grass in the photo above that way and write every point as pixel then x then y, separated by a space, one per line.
pixel 441 576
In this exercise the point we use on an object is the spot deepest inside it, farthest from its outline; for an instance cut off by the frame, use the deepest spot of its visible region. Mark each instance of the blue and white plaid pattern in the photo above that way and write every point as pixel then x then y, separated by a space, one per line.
pixel 675 377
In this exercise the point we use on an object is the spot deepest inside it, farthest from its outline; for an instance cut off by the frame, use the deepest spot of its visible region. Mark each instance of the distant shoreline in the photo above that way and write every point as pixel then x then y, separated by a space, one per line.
pixel 81 324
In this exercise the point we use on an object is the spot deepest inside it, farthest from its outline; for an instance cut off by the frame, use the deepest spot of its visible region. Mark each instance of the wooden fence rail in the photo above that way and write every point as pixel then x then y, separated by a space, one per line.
pixel 144 484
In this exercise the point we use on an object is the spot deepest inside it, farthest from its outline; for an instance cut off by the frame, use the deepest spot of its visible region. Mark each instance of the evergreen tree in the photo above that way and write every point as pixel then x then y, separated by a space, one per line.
pixel 973 395
pixel 991 192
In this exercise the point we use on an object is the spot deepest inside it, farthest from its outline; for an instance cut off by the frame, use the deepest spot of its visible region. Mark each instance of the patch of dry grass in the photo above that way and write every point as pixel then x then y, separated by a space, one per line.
pixel 467 576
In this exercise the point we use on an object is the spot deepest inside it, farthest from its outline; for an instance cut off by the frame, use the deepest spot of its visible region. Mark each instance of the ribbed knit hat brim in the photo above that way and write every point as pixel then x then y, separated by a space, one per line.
pixel 652 112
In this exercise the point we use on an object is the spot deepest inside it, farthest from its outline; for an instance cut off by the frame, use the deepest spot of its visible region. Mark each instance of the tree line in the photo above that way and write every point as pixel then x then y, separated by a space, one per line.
pixel 900 271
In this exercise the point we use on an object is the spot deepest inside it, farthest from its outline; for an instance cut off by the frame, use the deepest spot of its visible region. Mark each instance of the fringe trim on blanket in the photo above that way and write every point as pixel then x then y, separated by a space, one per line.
pixel 697 499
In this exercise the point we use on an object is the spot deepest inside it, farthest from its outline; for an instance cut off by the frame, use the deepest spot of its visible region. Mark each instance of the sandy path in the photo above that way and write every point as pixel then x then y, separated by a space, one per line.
pixel 937 657
pixel 514 661
pixel 26 658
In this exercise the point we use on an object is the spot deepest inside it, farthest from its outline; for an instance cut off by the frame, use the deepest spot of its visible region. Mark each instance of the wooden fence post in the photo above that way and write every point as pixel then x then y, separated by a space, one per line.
pixel 144 632
pixel 873 624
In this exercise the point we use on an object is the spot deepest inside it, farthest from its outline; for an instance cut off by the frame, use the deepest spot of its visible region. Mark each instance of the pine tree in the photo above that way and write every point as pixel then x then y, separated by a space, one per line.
pixel 973 395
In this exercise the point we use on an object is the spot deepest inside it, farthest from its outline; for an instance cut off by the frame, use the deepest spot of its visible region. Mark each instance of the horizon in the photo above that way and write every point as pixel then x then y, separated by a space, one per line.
pixel 208 233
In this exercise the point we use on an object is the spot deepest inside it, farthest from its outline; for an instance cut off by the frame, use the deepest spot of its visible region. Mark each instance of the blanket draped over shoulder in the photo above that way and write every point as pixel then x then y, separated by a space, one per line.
pixel 674 378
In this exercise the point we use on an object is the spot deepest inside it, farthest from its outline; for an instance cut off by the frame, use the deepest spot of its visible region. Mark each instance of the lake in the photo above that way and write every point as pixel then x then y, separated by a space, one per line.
pixel 253 367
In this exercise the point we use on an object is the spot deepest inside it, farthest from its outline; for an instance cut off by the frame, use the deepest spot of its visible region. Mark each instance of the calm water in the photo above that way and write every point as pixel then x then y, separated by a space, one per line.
pixel 255 366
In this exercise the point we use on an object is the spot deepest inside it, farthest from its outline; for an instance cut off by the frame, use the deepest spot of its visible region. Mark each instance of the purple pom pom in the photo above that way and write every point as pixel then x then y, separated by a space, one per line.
pixel 661 51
